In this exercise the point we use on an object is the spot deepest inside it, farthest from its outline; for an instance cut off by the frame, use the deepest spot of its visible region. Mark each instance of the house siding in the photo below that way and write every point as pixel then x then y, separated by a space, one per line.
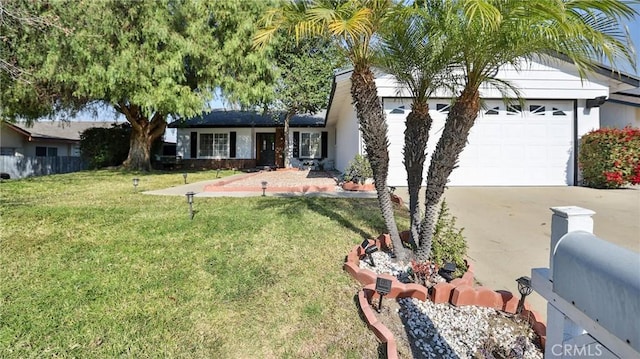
pixel 617 115
pixel 533 80
pixel 11 139
pixel 347 137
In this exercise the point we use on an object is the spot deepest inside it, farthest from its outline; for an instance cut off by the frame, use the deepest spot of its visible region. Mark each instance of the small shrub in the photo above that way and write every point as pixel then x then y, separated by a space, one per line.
pixel 103 147
pixel 610 157
pixel 358 170
pixel 449 245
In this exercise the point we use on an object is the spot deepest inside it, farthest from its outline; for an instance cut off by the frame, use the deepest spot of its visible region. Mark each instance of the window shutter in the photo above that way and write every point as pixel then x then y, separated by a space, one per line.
pixel 296 144
pixel 194 145
pixel 232 144
pixel 324 144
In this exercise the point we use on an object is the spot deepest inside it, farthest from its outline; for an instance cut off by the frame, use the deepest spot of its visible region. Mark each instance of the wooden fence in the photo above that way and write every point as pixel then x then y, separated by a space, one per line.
pixel 22 166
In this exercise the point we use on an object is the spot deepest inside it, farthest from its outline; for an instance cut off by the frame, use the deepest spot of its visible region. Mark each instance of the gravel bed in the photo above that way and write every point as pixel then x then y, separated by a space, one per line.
pixel 445 331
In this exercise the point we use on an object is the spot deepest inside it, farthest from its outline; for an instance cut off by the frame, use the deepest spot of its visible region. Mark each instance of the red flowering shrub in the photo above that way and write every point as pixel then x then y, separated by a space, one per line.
pixel 610 157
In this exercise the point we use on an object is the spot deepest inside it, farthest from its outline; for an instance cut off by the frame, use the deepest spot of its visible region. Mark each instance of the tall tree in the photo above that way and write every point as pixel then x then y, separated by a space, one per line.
pixel 148 59
pixel 354 25
pixel 305 70
pixel 413 49
pixel 487 34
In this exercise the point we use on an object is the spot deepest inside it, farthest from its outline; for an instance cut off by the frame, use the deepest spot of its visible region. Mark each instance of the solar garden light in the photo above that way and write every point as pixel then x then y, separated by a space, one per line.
pixel 524 287
pixel 264 187
pixel 446 272
pixel 135 183
pixel 383 286
pixel 184 175
pixel 368 251
pixel 190 201
pixel 218 173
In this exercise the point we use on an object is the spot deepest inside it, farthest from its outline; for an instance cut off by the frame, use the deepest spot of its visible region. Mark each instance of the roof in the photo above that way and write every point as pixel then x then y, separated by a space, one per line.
pixel 223 118
pixel 56 130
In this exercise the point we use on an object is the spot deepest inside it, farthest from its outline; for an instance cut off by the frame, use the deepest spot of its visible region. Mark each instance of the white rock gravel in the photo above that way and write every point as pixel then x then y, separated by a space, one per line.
pixel 445 331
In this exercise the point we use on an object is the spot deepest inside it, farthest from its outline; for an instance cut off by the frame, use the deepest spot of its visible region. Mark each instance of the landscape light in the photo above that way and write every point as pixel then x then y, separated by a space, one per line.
pixel 184 175
pixel 190 201
pixel 524 287
pixel 218 173
pixel 447 270
pixel 368 251
pixel 383 286
pixel 264 187
pixel 135 183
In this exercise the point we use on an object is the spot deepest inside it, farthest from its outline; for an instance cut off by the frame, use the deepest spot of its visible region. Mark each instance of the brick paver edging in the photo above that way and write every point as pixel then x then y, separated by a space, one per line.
pixel 458 292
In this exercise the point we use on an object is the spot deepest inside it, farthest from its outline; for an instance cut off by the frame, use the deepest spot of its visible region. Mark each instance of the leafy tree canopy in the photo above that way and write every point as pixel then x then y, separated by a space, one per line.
pixel 149 59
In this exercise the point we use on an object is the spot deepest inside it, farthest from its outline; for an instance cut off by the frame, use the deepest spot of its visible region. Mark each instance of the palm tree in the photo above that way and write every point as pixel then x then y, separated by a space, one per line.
pixel 413 50
pixel 354 24
pixel 488 34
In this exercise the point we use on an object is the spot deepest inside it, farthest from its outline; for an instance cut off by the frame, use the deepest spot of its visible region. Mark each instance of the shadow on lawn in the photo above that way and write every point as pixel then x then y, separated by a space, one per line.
pixel 359 210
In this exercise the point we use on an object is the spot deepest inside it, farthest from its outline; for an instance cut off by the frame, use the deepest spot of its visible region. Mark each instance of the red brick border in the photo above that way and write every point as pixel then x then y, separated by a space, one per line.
pixel 458 292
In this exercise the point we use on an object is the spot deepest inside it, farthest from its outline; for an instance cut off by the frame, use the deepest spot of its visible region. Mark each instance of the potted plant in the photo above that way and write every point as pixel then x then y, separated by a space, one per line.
pixel 358 175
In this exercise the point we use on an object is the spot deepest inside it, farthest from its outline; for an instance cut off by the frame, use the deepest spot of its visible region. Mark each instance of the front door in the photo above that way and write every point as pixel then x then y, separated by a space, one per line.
pixel 266 149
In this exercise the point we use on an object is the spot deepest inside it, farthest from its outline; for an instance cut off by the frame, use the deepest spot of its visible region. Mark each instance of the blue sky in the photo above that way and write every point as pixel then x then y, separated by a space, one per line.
pixel 634 29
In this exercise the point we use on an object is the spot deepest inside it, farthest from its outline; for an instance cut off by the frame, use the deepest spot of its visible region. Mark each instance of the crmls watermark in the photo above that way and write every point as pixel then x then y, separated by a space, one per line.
pixel 569 350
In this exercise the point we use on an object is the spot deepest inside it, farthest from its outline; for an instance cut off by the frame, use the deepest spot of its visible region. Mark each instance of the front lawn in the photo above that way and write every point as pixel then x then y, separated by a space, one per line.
pixel 92 269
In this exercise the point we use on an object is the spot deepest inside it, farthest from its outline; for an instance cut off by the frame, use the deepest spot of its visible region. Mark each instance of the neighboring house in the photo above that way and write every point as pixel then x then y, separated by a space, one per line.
pixel 510 144
pixel 621 109
pixel 245 139
pixel 44 138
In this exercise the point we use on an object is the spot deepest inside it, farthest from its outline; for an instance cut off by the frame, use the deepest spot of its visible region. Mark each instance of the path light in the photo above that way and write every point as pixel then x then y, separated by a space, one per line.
pixel 383 287
pixel 264 188
pixel 218 173
pixel 184 175
pixel 190 201
pixel 368 251
pixel 446 272
pixel 135 184
pixel 524 287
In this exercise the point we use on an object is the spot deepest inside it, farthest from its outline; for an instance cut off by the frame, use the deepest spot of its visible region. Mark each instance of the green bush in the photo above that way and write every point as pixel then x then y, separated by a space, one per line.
pixel 610 157
pixel 449 244
pixel 358 170
pixel 102 147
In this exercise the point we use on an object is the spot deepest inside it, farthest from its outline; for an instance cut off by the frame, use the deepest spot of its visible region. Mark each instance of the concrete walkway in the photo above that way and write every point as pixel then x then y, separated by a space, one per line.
pixel 508 228
pixel 199 189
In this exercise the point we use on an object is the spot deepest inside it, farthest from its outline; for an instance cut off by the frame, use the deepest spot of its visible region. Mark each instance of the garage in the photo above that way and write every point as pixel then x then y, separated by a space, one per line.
pixel 510 144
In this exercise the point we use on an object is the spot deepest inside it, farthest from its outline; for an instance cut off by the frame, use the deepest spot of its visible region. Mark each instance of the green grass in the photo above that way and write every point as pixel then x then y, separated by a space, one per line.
pixel 92 269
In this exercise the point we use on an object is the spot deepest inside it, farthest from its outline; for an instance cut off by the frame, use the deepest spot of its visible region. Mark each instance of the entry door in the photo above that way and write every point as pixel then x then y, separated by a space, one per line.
pixel 266 149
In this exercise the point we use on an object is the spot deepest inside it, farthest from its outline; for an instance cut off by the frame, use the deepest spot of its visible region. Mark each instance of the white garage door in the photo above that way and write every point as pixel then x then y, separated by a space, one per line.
pixel 509 145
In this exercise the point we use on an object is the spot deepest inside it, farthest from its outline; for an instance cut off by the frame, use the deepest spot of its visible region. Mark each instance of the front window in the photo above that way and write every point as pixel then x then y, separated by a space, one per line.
pixel 214 145
pixel 42 151
pixel 310 145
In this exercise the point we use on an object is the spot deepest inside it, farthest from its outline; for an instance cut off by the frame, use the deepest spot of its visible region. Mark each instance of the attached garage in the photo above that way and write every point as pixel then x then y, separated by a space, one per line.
pixel 509 145
pixel 528 144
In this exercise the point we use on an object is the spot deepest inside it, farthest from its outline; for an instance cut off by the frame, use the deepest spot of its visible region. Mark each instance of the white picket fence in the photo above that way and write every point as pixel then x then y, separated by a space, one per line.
pixel 22 166
pixel 593 291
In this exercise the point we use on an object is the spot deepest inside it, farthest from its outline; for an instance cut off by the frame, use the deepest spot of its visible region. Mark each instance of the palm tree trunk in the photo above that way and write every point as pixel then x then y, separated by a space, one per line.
pixel 416 136
pixel 374 133
pixel 444 160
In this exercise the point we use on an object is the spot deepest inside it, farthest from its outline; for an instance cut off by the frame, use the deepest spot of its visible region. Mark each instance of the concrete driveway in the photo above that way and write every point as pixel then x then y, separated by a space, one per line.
pixel 508 228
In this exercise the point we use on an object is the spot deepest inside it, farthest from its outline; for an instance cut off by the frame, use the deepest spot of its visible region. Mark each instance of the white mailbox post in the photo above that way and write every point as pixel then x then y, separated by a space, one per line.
pixel 593 291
